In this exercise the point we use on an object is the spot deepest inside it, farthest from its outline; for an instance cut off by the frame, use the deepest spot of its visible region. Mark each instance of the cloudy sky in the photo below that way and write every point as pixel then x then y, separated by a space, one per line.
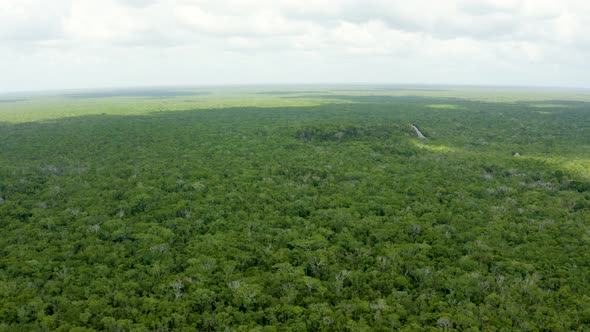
pixel 62 44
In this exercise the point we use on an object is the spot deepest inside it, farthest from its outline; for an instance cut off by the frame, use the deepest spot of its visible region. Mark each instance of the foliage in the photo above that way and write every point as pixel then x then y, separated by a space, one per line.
pixel 325 217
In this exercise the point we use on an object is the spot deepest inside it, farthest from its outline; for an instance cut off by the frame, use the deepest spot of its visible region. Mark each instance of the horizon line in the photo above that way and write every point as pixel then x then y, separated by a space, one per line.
pixel 291 85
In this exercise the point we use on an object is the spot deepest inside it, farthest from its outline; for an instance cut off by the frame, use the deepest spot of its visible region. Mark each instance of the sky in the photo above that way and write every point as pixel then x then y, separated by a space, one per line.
pixel 74 44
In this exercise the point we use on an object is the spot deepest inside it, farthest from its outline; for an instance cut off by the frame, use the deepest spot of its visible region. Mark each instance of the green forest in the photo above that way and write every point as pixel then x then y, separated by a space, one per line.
pixel 309 209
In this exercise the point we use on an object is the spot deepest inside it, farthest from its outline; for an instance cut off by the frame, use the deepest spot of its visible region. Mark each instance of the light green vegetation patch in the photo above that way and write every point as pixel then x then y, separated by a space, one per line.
pixel 549 105
pixel 577 166
pixel 434 148
pixel 443 106
pixel 56 107
pixel 46 107
pixel 502 94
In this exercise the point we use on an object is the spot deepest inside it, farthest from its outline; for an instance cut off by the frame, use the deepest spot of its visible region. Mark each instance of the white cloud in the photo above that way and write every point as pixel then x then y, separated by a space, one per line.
pixel 30 20
pixel 262 22
pixel 451 41
pixel 138 3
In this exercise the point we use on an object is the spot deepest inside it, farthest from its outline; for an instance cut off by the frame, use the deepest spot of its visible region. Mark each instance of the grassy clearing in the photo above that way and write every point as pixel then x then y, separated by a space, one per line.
pixel 434 148
pixel 444 106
